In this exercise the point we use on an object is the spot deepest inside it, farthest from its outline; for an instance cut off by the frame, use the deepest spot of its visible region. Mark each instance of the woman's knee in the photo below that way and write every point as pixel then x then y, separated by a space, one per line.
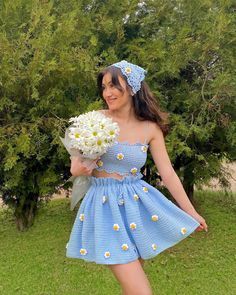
pixel 132 278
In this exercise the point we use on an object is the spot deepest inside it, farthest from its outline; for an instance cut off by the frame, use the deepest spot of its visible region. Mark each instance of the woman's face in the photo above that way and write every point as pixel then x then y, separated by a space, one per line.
pixel 114 98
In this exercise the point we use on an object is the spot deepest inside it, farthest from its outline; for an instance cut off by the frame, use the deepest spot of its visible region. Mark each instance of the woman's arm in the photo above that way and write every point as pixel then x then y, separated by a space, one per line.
pixel 168 175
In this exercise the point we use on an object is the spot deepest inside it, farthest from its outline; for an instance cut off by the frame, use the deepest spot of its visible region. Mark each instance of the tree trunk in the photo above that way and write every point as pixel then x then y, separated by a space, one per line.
pixel 188 181
pixel 189 189
pixel 25 213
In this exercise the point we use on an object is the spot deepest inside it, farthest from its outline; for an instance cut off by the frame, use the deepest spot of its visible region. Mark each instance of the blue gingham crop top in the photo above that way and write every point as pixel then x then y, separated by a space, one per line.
pixel 124 158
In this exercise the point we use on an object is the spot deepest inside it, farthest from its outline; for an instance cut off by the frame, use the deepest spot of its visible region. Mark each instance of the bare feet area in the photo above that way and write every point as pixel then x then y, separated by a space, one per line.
pixel 212 186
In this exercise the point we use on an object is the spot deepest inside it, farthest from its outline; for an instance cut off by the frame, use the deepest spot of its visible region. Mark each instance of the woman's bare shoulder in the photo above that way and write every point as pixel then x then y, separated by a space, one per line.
pixel 154 130
pixel 154 126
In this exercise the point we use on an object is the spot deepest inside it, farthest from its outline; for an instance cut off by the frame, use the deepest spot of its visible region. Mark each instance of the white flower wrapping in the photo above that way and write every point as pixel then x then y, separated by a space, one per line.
pixel 89 137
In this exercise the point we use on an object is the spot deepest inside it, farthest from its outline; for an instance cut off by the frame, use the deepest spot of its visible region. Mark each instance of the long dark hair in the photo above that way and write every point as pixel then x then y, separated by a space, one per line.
pixel 146 106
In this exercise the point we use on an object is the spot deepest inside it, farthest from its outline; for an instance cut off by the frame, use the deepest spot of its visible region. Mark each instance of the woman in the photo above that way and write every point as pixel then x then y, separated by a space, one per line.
pixel 123 220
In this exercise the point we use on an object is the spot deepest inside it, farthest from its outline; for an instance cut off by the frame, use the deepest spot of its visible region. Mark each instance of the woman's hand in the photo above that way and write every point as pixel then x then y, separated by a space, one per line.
pixel 200 219
pixel 79 168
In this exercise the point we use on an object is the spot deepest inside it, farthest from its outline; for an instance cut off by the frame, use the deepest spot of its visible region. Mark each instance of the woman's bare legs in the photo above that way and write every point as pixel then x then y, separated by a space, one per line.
pixel 132 278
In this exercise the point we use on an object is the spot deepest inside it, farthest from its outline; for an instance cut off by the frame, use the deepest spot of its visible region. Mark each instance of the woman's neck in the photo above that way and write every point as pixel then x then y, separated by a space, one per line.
pixel 124 115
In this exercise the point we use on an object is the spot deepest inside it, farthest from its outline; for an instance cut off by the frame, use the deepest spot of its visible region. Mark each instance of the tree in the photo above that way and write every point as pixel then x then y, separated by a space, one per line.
pixel 188 48
pixel 46 63
pixel 50 53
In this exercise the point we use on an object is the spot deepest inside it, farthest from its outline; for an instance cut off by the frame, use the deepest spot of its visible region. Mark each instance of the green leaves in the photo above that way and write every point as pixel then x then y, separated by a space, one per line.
pixel 51 52
pixel 23 143
pixel 11 160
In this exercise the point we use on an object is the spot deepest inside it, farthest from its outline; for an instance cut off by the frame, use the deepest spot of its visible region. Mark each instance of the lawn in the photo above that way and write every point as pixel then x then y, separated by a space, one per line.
pixel 34 262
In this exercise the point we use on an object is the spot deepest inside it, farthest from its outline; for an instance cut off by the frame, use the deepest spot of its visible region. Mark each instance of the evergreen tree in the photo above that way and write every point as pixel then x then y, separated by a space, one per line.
pixel 47 75
pixel 50 54
pixel 188 48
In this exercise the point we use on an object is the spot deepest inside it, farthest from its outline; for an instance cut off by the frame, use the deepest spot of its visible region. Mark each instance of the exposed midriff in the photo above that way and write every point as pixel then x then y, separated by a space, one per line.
pixel 103 173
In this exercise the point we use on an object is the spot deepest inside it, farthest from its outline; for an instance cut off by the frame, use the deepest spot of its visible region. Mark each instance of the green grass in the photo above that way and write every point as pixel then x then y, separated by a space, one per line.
pixel 34 262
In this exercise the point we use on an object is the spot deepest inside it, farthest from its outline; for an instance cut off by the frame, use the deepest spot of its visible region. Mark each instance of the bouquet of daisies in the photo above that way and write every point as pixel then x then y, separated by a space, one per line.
pixel 88 137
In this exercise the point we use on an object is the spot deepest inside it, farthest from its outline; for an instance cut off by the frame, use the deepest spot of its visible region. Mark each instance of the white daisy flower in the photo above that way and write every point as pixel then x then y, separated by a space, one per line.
pixel 125 247
pixel 121 201
pixel 81 217
pixel 120 156
pixel 107 254
pixel 100 163
pixel 116 227
pixel 133 170
pixel 183 230
pixel 154 247
pixel 128 70
pixel 145 189
pixel 144 148
pixel 83 251
pixel 104 199
pixel 154 217
pixel 133 225
pixel 75 133
pixel 136 197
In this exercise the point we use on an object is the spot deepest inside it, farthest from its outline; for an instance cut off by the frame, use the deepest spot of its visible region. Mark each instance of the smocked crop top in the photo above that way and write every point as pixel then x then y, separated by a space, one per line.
pixel 124 158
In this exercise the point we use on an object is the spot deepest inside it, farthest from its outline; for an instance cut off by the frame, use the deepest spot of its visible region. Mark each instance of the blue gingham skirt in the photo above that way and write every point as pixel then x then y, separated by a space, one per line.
pixel 119 221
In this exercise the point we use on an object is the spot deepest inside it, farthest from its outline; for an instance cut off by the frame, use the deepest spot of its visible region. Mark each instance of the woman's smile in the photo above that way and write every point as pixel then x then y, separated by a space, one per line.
pixel 111 100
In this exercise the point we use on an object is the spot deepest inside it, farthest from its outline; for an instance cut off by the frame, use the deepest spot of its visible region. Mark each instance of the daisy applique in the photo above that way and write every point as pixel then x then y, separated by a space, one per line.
pixel 116 227
pixel 128 70
pixel 120 200
pixel 100 163
pixel 125 247
pixel 83 251
pixel 133 225
pixel 104 199
pixel 154 247
pixel 145 189
pixel 107 254
pixel 136 197
pixel 183 230
pixel 144 148
pixel 134 170
pixel 120 156
pixel 81 217
pixel 154 217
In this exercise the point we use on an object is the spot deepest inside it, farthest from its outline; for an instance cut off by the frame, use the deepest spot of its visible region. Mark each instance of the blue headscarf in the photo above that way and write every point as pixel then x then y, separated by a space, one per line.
pixel 134 74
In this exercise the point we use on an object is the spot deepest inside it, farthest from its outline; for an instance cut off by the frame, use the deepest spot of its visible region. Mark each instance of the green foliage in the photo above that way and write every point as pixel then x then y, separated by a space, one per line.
pixel 47 75
pixel 188 48
pixel 50 53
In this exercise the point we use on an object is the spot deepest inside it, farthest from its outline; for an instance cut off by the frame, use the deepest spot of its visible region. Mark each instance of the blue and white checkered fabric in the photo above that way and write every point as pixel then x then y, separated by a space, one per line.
pixel 119 221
